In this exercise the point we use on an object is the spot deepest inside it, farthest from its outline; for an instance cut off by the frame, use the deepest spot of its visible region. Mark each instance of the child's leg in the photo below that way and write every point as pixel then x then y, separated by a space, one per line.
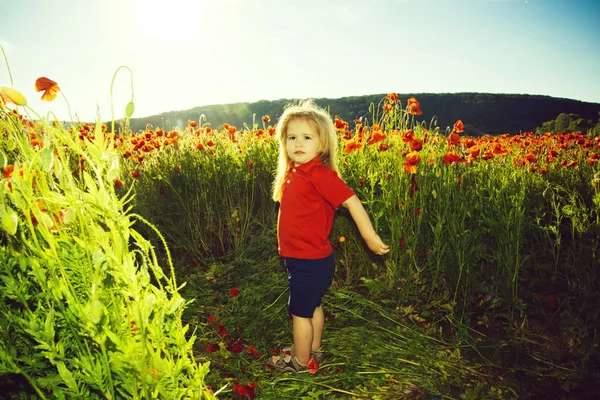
pixel 303 337
pixel 318 322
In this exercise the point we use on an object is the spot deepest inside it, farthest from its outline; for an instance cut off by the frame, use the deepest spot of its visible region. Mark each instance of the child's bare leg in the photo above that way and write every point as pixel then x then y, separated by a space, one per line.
pixel 303 337
pixel 318 321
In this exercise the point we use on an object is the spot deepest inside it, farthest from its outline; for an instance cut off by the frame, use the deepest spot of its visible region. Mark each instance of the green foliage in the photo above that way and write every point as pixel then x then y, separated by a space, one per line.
pixel 86 310
pixel 568 122
pixel 225 187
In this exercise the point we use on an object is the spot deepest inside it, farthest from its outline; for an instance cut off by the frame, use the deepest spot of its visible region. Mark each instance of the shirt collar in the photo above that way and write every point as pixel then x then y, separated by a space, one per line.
pixel 306 166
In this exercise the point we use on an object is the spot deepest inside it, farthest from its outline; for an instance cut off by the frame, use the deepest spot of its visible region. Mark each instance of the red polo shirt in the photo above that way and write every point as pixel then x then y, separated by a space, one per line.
pixel 310 195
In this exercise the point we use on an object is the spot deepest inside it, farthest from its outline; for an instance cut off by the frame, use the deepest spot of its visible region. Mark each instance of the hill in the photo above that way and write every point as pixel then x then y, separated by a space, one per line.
pixel 482 113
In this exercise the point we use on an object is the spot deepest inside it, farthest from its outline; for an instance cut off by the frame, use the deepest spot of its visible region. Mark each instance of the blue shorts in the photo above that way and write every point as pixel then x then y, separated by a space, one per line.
pixel 308 280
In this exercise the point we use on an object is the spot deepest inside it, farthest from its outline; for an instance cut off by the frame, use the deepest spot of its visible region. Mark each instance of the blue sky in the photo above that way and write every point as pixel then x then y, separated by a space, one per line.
pixel 185 53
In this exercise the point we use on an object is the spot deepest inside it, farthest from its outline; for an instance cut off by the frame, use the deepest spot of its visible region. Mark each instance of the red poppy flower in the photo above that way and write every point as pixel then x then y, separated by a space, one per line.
pixel 192 124
pixel 199 146
pixel 212 348
pixel 499 149
pixel 416 145
pixel 411 161
pixel 454 139
pixel 488 155
pixel 136 173
pixel 236 347
pixel 48 86
pixel 352 145
pixel 119 184
pixel 392 97
pixel 340 124
pixel 459 127
pixel 383 147
pixel 474 151
pixel 376 137
pixel 530 158
pixel 387 108
pixel 402 243
pixel 408 136
pixel 450 158
pixel 312 366
pixel 245 390
pixel 234 292
pixel 549 300
pixel 413 107
pixel 8 171
pixel 266 119
pixel 222 330
pixel 211 319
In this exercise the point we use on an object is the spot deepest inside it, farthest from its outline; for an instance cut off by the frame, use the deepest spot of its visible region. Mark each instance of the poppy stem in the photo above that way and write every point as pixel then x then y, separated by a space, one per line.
pixel 68 106
pixel 7 65
pixel 112 111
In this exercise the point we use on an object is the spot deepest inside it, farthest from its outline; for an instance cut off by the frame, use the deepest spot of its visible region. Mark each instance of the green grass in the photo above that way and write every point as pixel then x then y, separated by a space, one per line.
pixel 379 346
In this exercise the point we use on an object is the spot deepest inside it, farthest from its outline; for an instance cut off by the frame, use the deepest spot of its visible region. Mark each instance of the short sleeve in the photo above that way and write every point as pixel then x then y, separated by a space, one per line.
pixel 329 185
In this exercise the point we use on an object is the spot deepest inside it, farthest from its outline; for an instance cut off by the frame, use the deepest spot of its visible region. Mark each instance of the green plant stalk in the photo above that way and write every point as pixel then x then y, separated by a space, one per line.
pixel 112 111
pixel 7 65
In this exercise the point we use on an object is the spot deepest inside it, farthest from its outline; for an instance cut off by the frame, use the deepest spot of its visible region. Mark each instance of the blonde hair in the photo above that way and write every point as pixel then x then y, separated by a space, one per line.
pixel 323 124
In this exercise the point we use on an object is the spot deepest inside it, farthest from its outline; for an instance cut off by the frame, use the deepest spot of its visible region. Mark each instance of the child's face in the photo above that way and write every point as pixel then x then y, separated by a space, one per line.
pixel 302 141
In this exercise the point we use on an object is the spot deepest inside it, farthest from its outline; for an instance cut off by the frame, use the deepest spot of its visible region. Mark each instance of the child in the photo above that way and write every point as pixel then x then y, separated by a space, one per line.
pixel 309 189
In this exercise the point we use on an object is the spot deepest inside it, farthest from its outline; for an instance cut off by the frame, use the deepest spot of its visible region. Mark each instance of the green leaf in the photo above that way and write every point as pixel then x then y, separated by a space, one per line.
pixel 129 109
pixel 46 159
pixel 3 160
pixel 96 311
pixel 175 304
pixel 70 215
pixel 90 184
pixel 67 376
pixel 113 170
pixel 46 221
pixel 10 221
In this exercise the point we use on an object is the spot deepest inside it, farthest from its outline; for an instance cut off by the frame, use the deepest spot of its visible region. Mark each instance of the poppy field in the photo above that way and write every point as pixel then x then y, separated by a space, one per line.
pixel 144 264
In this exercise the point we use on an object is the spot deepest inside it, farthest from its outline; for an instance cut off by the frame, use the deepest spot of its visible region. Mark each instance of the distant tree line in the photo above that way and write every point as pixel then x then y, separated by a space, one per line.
pixel 482 113
pixel 570 122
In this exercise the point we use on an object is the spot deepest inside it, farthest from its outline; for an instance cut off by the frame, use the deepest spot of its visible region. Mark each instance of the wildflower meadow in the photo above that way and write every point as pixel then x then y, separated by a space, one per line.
pixel 139 265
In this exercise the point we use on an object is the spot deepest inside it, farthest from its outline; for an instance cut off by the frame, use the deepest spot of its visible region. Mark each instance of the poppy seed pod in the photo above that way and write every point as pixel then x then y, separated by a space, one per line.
pixel 12 95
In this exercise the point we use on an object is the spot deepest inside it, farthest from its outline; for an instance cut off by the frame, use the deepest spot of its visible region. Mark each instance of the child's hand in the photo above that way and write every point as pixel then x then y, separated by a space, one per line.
pixel 377 246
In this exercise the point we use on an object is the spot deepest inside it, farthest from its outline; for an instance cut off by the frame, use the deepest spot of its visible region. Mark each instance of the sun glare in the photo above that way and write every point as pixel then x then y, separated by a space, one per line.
pixel 171 22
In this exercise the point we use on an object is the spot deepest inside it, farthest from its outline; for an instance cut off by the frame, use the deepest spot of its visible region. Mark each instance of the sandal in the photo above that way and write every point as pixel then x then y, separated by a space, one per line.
pixel 319 355
pixel 290 363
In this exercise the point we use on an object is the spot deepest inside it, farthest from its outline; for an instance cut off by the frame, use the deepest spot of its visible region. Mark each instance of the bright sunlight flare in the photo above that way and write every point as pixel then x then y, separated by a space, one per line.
pixel 171 22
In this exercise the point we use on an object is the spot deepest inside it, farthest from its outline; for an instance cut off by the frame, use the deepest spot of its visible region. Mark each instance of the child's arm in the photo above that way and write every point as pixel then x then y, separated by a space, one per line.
pixel 361 218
